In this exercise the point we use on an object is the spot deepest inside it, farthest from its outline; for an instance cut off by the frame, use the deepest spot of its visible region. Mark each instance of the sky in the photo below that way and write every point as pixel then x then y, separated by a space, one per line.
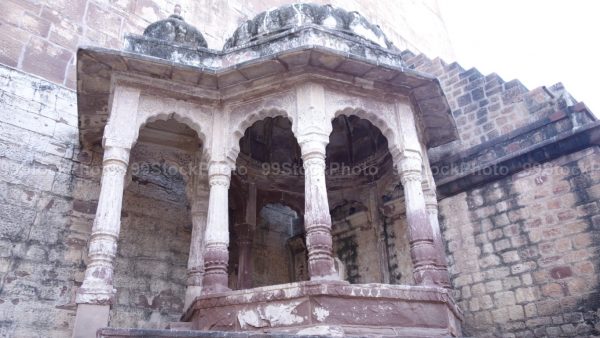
pixel 538 42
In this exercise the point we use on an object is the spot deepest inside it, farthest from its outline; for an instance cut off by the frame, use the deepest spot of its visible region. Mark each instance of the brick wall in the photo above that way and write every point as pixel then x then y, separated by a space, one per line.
pixel 523 251
pixel 41 37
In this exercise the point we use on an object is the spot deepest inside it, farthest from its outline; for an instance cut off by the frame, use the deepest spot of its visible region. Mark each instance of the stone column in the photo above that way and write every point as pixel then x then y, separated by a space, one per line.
pixel 382 249
pixel 422 249
pixel 216 253
pixel 317 219
pixel 95 295
pixel 441 263
pixel 244 234
pixel 195 269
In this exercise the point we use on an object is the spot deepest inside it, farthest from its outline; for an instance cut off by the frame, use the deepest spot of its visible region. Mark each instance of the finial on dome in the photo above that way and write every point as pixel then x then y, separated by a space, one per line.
pixel 177 10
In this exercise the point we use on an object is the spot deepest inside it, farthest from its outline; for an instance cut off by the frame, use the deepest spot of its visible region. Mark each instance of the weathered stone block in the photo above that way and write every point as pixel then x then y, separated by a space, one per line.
pixel 504 299
pixel 525 295
pixel 47 60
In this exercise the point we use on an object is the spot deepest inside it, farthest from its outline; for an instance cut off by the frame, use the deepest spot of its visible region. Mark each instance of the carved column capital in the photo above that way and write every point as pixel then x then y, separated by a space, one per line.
pixel 219 174
pixel 115 161
pixel 409 167
pixel 313 146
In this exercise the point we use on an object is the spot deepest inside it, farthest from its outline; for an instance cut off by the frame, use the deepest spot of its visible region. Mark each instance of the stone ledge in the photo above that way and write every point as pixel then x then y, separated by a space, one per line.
pixel 323 331
pixel 509 161
pixel 157 333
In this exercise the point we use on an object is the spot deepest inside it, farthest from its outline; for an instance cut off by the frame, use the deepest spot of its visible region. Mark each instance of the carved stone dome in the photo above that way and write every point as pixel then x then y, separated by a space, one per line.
pixel 289 17
pixel 174 29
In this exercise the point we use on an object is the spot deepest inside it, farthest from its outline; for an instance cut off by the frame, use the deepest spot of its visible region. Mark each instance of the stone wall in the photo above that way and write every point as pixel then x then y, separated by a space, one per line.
pixel 47 203
pixel 355 244
pixel 41 37
pixel 398 248
pixel 521 239
pixel 523 251
pixel 49 190
pixel 271 255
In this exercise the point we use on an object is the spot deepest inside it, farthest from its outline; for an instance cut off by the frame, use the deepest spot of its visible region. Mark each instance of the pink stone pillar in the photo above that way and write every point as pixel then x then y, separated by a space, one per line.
pixel 216 253
pixel 195 270
pixel 441 263
pixel 317 219
pixel 97 287
pixel 421 239
pixel 244 234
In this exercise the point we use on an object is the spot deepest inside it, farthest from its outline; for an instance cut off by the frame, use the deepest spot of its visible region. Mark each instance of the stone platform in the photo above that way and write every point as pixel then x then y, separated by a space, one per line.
pixel 329 308
pixel 315 309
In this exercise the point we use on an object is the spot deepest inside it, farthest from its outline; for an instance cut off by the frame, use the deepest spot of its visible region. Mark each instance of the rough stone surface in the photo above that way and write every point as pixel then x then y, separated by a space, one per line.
pixel 150 272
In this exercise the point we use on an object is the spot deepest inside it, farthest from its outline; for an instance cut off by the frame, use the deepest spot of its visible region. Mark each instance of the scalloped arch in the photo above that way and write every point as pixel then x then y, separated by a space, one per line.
pixel 165 116
pixel 390 135
pixel 249 120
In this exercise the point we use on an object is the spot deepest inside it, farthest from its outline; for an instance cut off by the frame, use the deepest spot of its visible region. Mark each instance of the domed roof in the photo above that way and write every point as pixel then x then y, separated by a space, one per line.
pixel 288 17
pixel 175 29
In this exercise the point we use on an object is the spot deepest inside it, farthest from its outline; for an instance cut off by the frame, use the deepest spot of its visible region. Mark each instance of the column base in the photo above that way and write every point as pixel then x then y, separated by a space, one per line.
pixel 89 318
pixel 332 277
pixel 209 290
pixel 191 293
